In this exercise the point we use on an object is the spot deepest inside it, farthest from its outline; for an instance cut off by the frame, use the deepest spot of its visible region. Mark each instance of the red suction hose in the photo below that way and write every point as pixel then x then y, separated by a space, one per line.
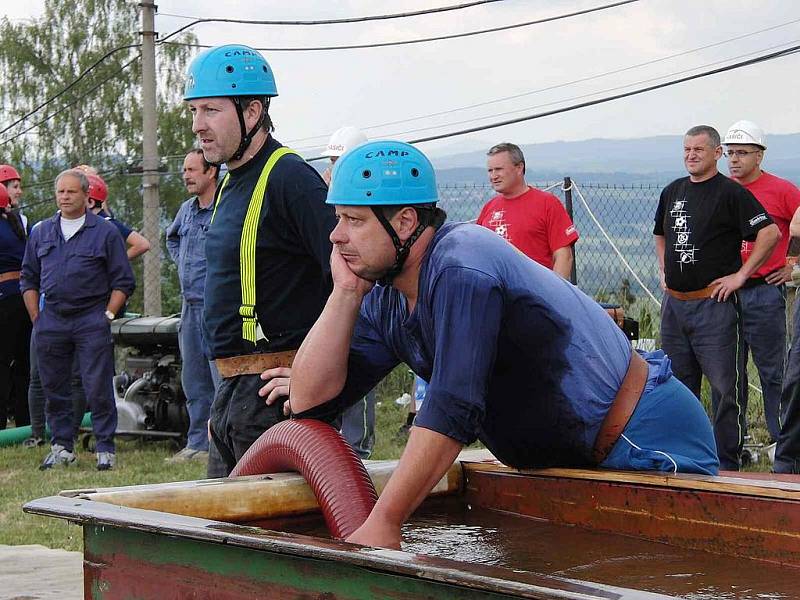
pixel 330 466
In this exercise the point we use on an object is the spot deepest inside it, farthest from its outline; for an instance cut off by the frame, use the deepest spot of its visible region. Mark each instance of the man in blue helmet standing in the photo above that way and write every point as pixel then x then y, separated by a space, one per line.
pixel 267 247
pixel 514 355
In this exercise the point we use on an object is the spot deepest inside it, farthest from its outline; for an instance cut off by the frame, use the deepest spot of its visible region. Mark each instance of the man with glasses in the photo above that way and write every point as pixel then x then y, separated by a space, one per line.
pixel 700 224
pixel 763 296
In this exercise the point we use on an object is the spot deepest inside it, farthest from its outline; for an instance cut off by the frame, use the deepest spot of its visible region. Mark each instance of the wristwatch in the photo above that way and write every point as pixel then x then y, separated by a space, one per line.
pixel 110 315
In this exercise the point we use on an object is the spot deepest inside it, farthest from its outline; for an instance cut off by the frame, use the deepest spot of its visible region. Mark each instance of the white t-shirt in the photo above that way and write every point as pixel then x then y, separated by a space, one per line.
pixel 70 227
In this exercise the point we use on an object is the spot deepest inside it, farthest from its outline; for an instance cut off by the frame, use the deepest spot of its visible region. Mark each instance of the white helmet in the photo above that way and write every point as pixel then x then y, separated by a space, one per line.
pixel 343 139
pixel 746 132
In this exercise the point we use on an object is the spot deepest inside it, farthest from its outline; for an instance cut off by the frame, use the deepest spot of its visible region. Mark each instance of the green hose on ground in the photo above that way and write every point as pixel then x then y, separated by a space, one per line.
pixel 17 435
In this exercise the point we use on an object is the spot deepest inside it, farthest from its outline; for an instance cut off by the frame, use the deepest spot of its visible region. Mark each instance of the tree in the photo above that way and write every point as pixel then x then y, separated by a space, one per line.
pixel 98 120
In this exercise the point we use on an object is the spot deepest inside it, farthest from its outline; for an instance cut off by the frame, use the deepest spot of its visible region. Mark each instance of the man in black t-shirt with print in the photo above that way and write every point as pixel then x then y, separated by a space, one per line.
pixel 699 227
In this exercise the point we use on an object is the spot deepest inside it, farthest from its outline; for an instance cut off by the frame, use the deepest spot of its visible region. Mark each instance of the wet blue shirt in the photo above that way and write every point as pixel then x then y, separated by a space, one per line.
pixel 186 243
pixel 514 355
pixel 78 274
pixel 12 250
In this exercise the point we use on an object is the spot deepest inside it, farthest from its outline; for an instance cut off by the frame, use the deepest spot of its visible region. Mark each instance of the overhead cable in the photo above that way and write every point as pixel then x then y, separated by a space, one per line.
pixel 404 42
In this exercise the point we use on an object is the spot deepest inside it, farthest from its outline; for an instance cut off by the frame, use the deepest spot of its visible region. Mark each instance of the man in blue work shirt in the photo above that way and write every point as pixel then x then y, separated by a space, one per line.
pixel 267 248
pixel 186 242
pixel 514 355
pixel 77 261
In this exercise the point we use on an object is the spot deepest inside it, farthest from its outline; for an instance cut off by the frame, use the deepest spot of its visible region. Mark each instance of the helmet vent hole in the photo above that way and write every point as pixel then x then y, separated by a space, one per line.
pixel 415 172
pixel 369 194
pixel 264 68
pixel 229 69
pixel 233 85
pixel 366 173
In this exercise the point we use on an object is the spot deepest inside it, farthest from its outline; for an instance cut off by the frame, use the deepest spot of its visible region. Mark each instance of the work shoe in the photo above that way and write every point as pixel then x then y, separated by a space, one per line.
pixel 186 455
pixel 33 442
pixel 59 456
pixel 106 461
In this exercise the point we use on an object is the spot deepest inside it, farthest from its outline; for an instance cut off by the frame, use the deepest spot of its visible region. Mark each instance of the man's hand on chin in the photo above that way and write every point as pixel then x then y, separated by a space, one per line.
pixel 377 533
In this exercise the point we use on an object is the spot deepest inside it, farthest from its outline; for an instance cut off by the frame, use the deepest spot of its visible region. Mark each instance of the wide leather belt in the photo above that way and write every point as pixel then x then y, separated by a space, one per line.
pixel 622 407
pixel 9 275
pixel 253 364
pixel 693 295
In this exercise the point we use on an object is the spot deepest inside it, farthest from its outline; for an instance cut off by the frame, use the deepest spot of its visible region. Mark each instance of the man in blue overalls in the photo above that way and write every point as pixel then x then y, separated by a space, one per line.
pixel 186 242
pixel 515 355
pixel 77 261
pixel 267 248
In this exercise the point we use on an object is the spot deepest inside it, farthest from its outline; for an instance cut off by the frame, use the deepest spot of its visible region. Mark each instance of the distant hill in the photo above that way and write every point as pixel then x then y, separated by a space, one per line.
pixel 656 159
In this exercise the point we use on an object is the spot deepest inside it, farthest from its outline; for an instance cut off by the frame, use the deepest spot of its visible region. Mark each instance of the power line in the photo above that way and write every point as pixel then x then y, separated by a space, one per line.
pixel 74 101
pixel 561 85
pixel 403 15
pixel 70 86
pixel 746 63
pixel 415 40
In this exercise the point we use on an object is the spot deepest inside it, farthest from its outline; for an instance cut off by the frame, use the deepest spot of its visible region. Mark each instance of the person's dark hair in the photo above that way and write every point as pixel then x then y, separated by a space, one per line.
pixel 14 221
pixel 713 134
pixel 429 215
pixel 244 101
pixel 514 151
pixel 206 165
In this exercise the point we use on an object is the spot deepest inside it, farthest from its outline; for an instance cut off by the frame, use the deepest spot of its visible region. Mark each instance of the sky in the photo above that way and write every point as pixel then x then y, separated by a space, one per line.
pixel 320 91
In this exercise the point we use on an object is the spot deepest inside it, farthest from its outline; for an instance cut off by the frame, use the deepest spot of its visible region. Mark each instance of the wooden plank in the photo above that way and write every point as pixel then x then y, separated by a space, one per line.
pixel 730 484
pixel 747 525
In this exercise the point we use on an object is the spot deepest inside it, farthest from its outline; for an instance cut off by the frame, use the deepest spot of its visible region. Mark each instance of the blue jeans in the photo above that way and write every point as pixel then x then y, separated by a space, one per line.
pixel 197 375
pixel 703 337
pixel 764 333
pixel 358 425
pixel 668 431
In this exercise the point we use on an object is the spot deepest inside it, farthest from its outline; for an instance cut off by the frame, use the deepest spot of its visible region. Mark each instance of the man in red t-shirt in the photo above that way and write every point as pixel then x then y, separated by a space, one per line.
pixel 533 221
pixel 763 297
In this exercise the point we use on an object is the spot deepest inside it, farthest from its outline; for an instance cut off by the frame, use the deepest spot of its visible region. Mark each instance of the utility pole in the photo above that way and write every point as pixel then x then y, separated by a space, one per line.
pixel 150 203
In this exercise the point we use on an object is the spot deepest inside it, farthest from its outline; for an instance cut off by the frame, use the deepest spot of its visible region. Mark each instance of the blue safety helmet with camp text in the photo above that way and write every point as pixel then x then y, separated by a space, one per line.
pixel 385 173
pixel 231 70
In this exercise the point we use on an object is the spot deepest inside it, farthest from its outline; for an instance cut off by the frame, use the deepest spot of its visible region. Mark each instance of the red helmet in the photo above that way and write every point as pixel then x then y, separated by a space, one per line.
pixel 5 200
pixel 98 190
pixel 8 173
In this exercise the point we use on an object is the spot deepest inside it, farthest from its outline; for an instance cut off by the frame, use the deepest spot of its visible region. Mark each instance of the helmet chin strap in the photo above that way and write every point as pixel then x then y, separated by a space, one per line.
pixel 247 137
pixel 402 249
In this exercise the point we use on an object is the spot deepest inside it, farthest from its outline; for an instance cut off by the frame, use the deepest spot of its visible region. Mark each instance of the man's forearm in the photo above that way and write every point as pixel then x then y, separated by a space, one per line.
pixel 31 300
pixel 319 370
pixel 661 246
pixel 562 262
pixel 116 301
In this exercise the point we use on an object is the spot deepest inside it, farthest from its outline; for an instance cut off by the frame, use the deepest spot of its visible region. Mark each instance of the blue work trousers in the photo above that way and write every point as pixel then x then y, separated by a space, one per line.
pixel 764 334
pixel 36 399
pixel 703 337
pixel 787 451
pixel 197 375
pixel 358 425
pixel 58 339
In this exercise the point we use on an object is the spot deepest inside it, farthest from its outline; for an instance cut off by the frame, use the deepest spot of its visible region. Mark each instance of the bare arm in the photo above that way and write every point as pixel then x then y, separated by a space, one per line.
pixel 137 245
pixel 319 370
pixel 794 225
pixel 661 245
pixel 31 300
pixel 426 458
pixel 766 239
pixel 562 261
pixel 116 301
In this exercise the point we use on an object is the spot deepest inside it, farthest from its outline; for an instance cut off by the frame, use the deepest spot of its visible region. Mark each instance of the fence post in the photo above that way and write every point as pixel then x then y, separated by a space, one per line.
pixel 573 276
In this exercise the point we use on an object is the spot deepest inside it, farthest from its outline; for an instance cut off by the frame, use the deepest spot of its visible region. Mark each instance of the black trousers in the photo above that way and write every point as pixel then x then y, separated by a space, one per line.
pixel 15 340
pixel 787 451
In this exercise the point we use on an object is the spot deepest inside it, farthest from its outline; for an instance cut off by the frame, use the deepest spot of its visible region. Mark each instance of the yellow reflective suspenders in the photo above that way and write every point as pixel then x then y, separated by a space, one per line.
pixel 247 245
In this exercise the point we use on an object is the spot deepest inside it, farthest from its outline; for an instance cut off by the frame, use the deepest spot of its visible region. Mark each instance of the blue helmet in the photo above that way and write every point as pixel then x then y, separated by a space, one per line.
pixel 232 70
pixel 383 173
